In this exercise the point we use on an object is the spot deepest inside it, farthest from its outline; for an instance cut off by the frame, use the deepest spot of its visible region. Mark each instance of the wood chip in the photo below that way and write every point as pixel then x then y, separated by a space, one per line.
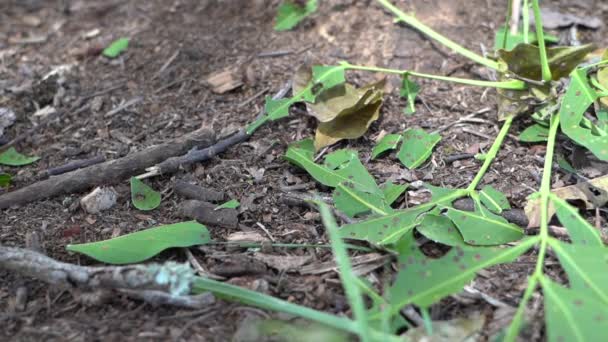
pixel 224 81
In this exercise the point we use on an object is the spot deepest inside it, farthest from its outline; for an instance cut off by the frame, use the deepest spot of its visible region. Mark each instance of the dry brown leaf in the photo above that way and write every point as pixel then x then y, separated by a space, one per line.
pixel 344 112
pixel 283 262
pixel 592 194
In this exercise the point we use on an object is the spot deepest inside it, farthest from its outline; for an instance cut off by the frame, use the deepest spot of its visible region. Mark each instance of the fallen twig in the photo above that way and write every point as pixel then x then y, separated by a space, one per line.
pixel 194 156
pixel 73 165
pixel 109 172
pixel 136 281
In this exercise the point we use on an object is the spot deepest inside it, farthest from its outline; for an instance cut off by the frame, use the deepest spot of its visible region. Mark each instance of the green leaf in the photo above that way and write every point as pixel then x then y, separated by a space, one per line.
pixel 385 229
pixel 11 157
pixel 349 170
pixel 143 196
pixel 116 48
pixel 512 40
pixel 290 14
pixel 232 204
pixel 142 245
pixel 579 96
pixel 482 228
pixel 573 315
pixel 417 147
pixel 388 142
pixel 392 191
pixel 409 90
pixel 580 231
pixel 5 180
pixel 440 229
pixel 493 199
pixel 275 109
pixel 534 133
pixel 328 76
pixel 585 266
pixel 353 202
pixel 423 281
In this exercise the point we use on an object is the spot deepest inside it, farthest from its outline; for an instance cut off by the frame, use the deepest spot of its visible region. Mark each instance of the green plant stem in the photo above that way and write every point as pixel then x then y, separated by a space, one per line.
pixel 346 273
pixel 253 298
pixel 512 84
pixel 526 21
pixel 545 194
pixel 540 37
pixel 418 25
pixel 505 34
pixel 491 154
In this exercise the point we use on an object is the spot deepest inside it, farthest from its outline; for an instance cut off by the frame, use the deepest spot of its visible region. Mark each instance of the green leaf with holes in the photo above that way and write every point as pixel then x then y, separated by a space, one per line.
pixel 142 245
pixel 482 228
pixel 116 48
pixel 586 266
pixel 11 157
pixel 580 231
pixel 353 202
pixel 340 166
pixel 232 204
pixel 493 199
pixel 392 191
pixel 409 90
pixel 387 143
pixel 573 315
pixel 328 76
pixel 385 229
pixel 440 229
pixel 424 281
pixel 5 180
pixel 143 197
pixel 274 110
pixel 291 14
pixel 417 146
pixel 534 133
pixel 579 96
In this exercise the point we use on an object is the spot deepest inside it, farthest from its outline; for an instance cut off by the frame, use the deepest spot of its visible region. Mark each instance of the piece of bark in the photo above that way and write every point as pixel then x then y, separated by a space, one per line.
pixel 516 216
pixel 224 81
pixel 205 213
pixel 238 266
pixel 71 166
pixel 197 192
pixel 110 172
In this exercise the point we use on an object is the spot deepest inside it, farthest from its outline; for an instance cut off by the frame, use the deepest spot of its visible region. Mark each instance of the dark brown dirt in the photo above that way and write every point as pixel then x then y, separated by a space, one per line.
pixel 212 36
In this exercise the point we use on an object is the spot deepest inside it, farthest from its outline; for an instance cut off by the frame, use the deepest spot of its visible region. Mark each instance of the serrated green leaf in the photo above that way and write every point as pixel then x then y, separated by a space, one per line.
pixel 5 180
pixel 11 157
pixel 440 229
pixel 142 245
pixel 388 142
pixel 586 267
pixel 534 133
pixel 232 204
pixel 573 315
pixel 493 199
pixel 302 152
pixel 392 191
pixel 143 197
pixel 424 281
pixel 417 146
pixel 290 14
pixel 116 48
pixel 353 202
pixel 409 90
pixel 579 96
pixel 483 228
pixel 580 231
pixel 385 229
pixel 328 76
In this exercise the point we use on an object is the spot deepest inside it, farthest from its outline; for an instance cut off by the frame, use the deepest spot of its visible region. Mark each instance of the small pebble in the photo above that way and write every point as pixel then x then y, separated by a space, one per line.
pixel 99 200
